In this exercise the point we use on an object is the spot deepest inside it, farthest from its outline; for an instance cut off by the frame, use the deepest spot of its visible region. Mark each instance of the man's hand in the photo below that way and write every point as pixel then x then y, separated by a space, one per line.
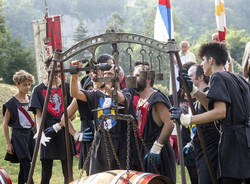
pixel 153 157
pixel 52 130
pixel 44 139
pixel 176 114
pixel 188 148
pixel 193 89
pixel 84 136
pixel 9 148
pixel 74 65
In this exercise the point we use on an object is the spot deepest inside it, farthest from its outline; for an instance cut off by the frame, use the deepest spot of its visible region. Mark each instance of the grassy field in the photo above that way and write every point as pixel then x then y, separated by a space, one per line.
pixel 6 91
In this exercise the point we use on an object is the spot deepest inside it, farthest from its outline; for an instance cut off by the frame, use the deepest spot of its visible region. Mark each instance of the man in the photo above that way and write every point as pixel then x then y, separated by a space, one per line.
pixel 56 148
pixel 228 101
pixel 185 54
pixel 150 108
pixel 98 99
pixel 209 131
pixel 186 57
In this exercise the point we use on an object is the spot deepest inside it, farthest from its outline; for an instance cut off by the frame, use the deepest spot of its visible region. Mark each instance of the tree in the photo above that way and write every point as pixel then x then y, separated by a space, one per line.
pixel 13 56
pixel 80 32
pixel 17 58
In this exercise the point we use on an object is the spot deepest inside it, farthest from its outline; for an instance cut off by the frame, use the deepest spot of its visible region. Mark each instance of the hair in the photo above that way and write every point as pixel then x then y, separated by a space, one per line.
pixel 103 58
pixel 22 76
pixel 187 65
pixel 145 63
pixel 185 42
pixel 200 72
pixel 217 50
pixel 213 35
pixel 48 60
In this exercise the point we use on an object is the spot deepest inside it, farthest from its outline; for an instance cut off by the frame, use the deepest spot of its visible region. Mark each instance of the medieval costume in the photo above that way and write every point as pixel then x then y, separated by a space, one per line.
pixel 211 138
pixel 102 153
pixel 149 131
pixel 22 124
pixel 234 145
pixel 56 148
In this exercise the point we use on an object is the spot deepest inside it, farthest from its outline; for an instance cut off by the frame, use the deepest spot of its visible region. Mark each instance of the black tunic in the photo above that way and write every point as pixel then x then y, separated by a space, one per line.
pixel 56 148
pixel 150 132
pixel 117 130
pixel 21 122
pixel 86 122
pixel 234 148
pixel 211 138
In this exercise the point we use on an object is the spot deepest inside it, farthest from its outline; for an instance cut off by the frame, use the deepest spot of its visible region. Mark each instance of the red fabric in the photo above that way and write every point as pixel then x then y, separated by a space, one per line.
pixel 144 110
pixel 26 114
pixel 78 148
pixel 174 144
pixel 165 2
pixel 222 35
pixel 55 105
pixel 54 33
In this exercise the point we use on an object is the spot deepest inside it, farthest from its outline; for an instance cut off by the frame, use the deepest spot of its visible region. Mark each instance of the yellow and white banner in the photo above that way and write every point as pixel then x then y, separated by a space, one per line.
pixel 220 19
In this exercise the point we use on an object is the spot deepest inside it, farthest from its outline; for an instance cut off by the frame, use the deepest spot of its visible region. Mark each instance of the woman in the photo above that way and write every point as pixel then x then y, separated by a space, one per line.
pixel 21 145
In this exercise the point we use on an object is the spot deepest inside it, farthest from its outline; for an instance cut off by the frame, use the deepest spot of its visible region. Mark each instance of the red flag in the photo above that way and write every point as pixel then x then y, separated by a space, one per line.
pixel 54 35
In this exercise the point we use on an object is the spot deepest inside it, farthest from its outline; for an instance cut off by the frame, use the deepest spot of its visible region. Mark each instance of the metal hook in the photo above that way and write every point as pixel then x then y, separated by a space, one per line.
pixel 150 54
pixel 142 55
pixel 130 59
pixel 159 62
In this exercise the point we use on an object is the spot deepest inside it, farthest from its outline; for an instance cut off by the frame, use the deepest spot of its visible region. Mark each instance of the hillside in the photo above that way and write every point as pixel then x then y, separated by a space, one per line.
pixel 6 91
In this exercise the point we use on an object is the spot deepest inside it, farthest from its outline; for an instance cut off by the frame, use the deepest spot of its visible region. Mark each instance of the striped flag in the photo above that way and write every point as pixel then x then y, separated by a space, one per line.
pixel 220 19
pixel 163 28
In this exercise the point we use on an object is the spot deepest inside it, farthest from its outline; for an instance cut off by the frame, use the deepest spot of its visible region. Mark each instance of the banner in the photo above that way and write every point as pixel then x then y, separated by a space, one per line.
pixel 220 19
pixel 47 38
pixel 163 27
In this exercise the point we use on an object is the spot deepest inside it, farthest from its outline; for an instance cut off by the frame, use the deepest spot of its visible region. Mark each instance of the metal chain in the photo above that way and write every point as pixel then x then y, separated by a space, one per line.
pixel 128 148
pixel 144 146
pixel 137 144
pixel 113 150
pixel 90 152
pixel 106 143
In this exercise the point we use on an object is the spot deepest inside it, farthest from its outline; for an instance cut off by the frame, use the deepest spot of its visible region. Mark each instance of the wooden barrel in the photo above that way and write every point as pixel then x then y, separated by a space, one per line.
pixel 121 177
pixel 4 178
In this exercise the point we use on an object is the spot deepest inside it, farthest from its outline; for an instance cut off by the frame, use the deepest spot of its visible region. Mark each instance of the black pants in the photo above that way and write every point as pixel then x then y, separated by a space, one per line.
pixel 192 171
pixel 234 181
pixel 47 165
pixel 24 171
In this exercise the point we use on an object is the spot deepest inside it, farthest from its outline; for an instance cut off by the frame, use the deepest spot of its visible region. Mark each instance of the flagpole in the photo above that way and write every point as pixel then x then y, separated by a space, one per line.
pixel 178 129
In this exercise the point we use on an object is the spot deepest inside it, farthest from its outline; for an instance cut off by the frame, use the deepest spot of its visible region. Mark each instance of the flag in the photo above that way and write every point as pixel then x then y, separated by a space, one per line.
pixel 220 19
pixel 163 28
pixel 47 38
pixel 39 32
pixel 54 35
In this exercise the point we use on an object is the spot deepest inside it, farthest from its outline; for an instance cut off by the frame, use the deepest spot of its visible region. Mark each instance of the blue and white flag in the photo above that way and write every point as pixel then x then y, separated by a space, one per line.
pixel 164 27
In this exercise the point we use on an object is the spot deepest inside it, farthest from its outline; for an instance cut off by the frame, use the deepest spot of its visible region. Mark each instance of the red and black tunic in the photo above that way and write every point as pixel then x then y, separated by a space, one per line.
pixel 150 132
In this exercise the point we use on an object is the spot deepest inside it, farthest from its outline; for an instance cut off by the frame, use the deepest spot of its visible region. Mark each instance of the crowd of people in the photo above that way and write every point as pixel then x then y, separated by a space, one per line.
pixel 221 102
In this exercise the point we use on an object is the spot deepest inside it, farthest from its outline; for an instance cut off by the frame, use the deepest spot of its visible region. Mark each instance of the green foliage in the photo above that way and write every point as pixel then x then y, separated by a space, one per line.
pixel 236 41
pixel 162 88
pixel 19 16
pixel 16 58
pixel 80 32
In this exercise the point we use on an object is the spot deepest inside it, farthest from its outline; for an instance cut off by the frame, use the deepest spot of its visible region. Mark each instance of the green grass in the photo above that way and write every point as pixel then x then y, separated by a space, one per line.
pixel 6 91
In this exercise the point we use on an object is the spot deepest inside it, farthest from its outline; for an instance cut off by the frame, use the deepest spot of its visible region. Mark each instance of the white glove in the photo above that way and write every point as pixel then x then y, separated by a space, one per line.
pixel 44 139
pixel 195 90
pixel 57 127
pixel 78 136
pixel 156 148
pixel 185 119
